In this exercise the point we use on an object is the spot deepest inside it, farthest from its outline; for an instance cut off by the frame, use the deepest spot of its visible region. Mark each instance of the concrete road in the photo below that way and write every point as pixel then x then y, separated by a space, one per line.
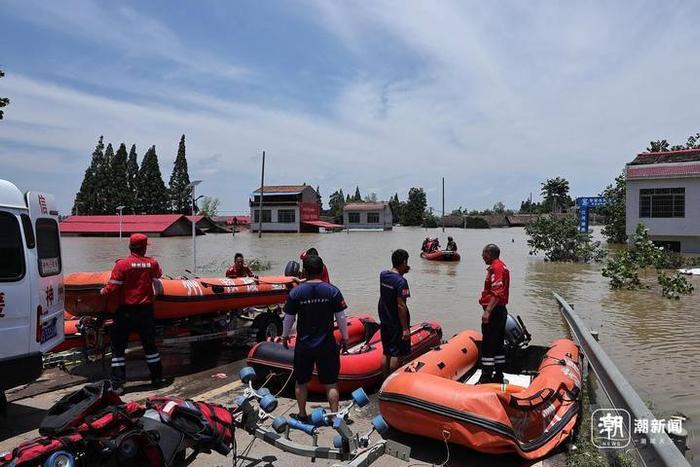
pixel 213 376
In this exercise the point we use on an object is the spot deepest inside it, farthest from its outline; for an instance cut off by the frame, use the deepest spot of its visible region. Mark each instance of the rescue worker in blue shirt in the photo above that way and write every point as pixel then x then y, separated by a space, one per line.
pixel 394 317
pixel 317 304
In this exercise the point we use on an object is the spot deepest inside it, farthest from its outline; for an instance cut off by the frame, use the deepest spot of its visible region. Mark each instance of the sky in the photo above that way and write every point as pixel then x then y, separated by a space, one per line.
pixel 385 95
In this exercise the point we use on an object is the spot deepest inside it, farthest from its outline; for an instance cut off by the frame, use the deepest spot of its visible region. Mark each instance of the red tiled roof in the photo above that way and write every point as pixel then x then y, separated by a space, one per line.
pixel 156 223
pixel 364 206
pixel 666 170
pixel 283 189
pixel 665 157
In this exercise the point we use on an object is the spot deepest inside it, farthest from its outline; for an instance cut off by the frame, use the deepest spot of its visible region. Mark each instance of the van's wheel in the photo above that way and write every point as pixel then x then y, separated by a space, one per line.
pixel 267 325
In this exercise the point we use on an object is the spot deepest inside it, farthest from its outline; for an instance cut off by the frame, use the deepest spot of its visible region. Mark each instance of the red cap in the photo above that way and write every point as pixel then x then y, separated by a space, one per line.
pixel 138 240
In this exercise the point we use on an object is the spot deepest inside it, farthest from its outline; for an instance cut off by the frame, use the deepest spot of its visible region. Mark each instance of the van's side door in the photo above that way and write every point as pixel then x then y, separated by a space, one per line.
pixel 15 311
pixel 48 271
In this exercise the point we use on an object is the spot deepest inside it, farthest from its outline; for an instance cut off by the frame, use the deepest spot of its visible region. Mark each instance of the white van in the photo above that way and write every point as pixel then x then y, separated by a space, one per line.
pixel 31 284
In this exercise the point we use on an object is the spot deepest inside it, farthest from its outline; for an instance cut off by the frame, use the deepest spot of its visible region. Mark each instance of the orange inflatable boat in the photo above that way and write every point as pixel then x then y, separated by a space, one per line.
pixel 179 298
pixel 433 396
pixel 441 255
pixel 361 367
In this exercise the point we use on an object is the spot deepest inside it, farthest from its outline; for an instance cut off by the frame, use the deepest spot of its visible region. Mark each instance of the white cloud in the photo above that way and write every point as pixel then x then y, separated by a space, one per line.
pixel 496 99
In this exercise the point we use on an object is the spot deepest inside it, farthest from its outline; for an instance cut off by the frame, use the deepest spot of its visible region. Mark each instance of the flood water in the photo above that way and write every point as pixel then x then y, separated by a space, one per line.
pixel 652 340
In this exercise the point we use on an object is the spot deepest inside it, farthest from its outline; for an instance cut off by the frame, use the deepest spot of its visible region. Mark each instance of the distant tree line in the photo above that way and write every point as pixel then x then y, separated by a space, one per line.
pixel 661 145
pixel 116 179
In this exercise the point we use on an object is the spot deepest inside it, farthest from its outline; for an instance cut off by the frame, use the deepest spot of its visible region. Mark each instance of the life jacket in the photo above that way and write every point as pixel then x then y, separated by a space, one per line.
pixel 71 410
pixel 210 426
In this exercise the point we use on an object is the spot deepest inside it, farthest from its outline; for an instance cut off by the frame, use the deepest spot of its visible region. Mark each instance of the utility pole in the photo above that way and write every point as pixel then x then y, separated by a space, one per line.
pixel 443 204
pixel 262 192
pixel 192 186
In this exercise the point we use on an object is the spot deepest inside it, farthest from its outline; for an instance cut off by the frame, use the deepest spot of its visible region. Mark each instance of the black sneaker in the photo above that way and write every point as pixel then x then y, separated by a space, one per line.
pixel 485 378
pixel 161 382
pixel 302 419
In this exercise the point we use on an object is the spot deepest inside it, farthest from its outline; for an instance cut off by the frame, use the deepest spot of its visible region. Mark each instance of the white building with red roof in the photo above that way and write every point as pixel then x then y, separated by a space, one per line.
pixel 663 193
pixel 367 216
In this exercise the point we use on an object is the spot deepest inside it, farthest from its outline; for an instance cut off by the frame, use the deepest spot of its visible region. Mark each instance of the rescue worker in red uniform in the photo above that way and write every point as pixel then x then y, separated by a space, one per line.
pixel 239 268
pixel 132 278
pixel 314 252
pixel 493 300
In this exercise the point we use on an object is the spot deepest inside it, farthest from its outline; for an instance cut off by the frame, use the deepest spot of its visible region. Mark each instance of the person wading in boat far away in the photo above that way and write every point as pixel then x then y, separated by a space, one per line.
pixel 451 244
pixel 313 252
pixel 394 316
pixel 132 277
pixel 317 304
pixel 239 268
pixel 493 300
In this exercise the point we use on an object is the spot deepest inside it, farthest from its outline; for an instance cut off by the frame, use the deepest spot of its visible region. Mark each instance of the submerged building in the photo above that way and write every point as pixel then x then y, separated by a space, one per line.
pixel 663 193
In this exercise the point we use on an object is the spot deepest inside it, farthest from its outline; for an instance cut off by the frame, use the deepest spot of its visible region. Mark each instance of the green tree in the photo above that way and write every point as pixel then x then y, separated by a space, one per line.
pixel 118 183
pixel 319 197
pixel 396 206
pixel 103 177
pixel 660 145
pixel 560 240
pixel 555 192
pixel 336 203
pixel 4 101
pixel 180 192
pixel 370 198
pixel 499 208
pixel 413 211
pixel 615 210
pixel 209 206
pixel 132 182
pixel 348 199
pixel 358 197
pixel 153 196
pixel 85 202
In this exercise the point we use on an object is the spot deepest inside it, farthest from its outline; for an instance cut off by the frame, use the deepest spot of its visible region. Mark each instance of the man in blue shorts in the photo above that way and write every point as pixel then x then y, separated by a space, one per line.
pixel 393 312
pixel 317 304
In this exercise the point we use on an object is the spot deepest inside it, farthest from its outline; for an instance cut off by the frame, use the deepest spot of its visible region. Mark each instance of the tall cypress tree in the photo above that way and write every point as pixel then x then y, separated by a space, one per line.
pixel 152 192
pixel 85 198
pixel 118 183
pixel 357 197
pixel 103 175
pixel 132 182
pixel 180 193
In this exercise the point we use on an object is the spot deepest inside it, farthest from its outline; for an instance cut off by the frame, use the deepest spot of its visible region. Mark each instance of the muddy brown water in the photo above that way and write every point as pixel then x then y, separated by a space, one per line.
pixel 654 341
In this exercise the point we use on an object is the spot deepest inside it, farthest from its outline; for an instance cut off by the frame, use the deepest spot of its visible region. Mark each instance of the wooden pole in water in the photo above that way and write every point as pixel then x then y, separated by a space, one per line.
pixel 262 192
pixel 443 204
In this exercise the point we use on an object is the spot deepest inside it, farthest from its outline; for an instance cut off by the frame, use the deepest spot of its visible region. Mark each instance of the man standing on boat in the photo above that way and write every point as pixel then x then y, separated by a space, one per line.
pixel 451 244
pixel 394 317
pixel 493 300
pixel 239 268
pixel 132 277
pixel 317 304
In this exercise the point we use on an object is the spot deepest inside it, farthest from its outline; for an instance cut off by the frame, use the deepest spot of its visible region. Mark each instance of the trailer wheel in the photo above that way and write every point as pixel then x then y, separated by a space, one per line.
pixel 267 325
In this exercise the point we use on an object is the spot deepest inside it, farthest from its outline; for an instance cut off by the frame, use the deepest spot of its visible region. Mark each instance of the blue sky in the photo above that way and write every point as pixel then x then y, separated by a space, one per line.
pixel 494 96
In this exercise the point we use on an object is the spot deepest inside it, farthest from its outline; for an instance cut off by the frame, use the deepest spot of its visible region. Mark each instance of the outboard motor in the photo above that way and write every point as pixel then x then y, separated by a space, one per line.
pixel 516 335
pixel 292 269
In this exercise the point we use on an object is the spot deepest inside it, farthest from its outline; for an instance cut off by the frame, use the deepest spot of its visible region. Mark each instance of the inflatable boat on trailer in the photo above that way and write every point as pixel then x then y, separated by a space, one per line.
pixel 179 298
pixel 360 367
pixel 531 413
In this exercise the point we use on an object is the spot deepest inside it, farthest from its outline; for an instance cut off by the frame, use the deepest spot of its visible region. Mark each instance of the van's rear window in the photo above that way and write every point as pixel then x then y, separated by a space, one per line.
pixel 11 249
pixel 48 247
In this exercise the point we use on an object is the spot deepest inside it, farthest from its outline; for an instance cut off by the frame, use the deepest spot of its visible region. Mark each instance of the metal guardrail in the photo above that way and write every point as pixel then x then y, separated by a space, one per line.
pixel 659 449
